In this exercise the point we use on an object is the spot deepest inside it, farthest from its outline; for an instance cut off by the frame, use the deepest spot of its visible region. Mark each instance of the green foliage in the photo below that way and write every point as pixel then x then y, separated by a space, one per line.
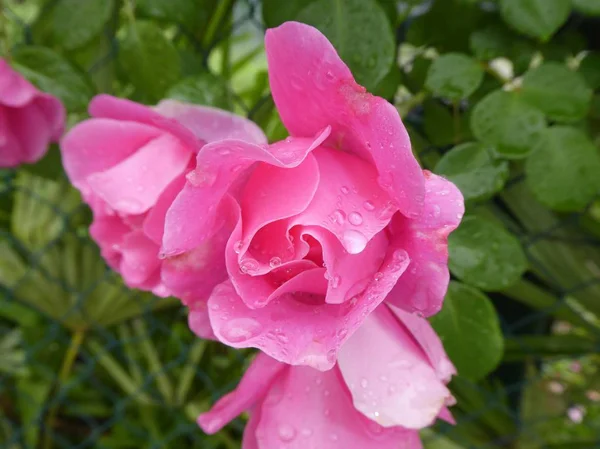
pixel 454 76
pixel 536 18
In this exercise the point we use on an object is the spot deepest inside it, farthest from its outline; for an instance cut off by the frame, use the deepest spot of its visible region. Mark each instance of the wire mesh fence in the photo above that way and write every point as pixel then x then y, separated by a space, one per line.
pixel 86 362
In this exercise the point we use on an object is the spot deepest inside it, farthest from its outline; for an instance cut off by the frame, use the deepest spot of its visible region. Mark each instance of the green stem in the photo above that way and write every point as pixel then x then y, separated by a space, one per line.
pixel 130 10
pixel 524 346
pixel 4 46
pixel 63 376
pixel 187 375
pixel 222 10
pixel 456 117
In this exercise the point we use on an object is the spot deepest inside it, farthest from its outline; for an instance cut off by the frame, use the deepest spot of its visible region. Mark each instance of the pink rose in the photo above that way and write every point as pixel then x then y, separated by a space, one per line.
pixel 367 400
pixel 29 119
pixel 329 222
pixel 130 161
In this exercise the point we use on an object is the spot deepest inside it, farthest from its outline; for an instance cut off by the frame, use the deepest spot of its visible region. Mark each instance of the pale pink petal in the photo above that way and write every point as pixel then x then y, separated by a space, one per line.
pixel 348 201
pixel 395 385
pixel 211 124
pixel 15 90
pixel 98 144
pixel 109 232
pixel 140 258
pixel 429 341
pixel 134 185
pixel 199 321
pixel 299 329
pixel 120 109
pixel 423 287
pixel 251 389
pixel 193 214
pixel 31 128
pixel 154 223
pixel 308 409
pixel 249 440
pixel 313 88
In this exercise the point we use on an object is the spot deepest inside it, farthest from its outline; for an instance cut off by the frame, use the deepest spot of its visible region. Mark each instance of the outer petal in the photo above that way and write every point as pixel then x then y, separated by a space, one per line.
pixel 250 391
pixel 55 114
pixel 109 232
pixel 11 153
pixel 211 124
pixel 396 386
pixel 298 328
pixel 84 147
pixel 423 287
pixel 140 258
pixel 313 88
pixel 192 216
pixel 348 201
pixel 15 90
pixel 307 409
pixel 135 184
pixel 154 223
pixel 199 321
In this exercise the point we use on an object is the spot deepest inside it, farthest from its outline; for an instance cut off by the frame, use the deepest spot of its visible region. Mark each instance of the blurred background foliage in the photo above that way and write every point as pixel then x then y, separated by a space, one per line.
pixel 500 96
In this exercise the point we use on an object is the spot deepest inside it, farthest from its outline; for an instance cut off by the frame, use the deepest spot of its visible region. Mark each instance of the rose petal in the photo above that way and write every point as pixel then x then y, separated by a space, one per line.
pixel 154 223
pixel 251 389
pixel 397 386
pixel 308 409
pixel 54 112
pixel 140 258
pixel 192 216
pixel 423 287
pixel 313 88
pixel 211 124
pixel 15 90
pixel 348 201
pixel 293 328
pixel 134 185
pixel 199 321
pixel 32 130
pixel 10 148
pixel 109 231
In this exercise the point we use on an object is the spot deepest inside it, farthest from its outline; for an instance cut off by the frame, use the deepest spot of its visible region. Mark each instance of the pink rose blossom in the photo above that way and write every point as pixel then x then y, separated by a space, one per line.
pixel 370 399
pixel 329 222
pixel 130 161
pixel 29 119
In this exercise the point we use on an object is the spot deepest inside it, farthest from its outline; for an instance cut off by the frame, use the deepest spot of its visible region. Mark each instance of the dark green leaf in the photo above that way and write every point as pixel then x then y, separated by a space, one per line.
pixel 557 91
pixel 275 12
pixel 193 15
pixel 491 42
pixel 360 32
pixel 505 121
pixel 440 126
pixel 454 76
pixel 590 70
pixel 149 59
pixel 206 89
pixel 470 331
pixel 484 254
pixel 53 74
pixel 474 170
pixel 590 7
pixel 563 170
pixel 76 22
pixel 535 18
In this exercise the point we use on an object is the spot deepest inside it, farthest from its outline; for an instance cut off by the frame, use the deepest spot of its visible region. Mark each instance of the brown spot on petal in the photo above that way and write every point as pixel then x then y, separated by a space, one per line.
pixel 357 97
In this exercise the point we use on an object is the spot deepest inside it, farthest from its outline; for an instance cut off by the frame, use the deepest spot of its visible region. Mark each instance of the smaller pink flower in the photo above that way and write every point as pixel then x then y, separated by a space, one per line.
pixel 29 119
pixel 389 382
pixel 130 162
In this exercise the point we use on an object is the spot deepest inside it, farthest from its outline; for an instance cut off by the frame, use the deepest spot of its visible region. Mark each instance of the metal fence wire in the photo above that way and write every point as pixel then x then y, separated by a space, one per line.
pixel 87 363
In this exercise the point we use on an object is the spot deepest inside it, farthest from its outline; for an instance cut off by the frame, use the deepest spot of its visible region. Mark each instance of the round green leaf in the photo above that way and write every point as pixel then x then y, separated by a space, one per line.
pixel 559 92
pixel 76 22
pixel 503 120
pixel 563 171
pixel 205 89
pixel 536 18
pixel 51 73
pixel 192 14
pixel 149 59
pixel 469 328
pixel 454 76
pixel 491 42
pixel 361 33
pixel 474 170
pixel 440 126
pixel 484 254
pixel 589 69
pixel 589 7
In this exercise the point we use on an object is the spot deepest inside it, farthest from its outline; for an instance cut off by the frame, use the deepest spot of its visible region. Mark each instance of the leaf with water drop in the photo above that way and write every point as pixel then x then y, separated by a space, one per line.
pixel 454 76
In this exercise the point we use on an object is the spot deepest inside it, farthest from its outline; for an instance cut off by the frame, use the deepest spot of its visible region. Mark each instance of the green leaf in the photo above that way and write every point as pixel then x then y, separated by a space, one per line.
pixel 491 42
pixel 76 22
pixel 193 15
pixel 360 32
pixel 474 170
pixel 454 76
pixel 439 124
pixel 563 170
pixel 52 73
pixel 503 120
pixel 589 69
pixel 536 18
pixel 484 254
pixel 149 59
pixel 206 89
pixel 589 7
pixel 559 92
pixel 275 12
pixel 470 331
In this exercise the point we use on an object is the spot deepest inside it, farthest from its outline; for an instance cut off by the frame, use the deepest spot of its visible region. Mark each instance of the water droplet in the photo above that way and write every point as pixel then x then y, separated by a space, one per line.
pixel 224 151
pixel 236 168
pixel 355 218
pixel 345 190
pixel 318 381
pixel 368 205
pixel 306 432
pixel 199 178
pixel 364 383
pixel 241 329
pixel 387 211
pixel 342 333
pixel 329 75
pixel 335 281
pixel 287 432
pixel 214 306
pixel 399 255
pixel 436 210
pixel 274 262
pixel 354 241
pixel 331 356
pixel 378 276
pixel 327 393
pixel 338 216
pixel 237 247
pixel 248 266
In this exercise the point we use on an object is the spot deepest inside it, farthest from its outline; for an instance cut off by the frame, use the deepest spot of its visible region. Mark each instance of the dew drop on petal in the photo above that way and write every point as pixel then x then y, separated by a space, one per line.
pixel 378 276
pixel 274 262
pixel 335 281
pixel 345 190
pixel 248 266
pixel 338 216
pixel 354 241
pixel 355 218
pixel 237 247
pixel 368 205
pixel 241 329
pixel 287 432
pixel 364 383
